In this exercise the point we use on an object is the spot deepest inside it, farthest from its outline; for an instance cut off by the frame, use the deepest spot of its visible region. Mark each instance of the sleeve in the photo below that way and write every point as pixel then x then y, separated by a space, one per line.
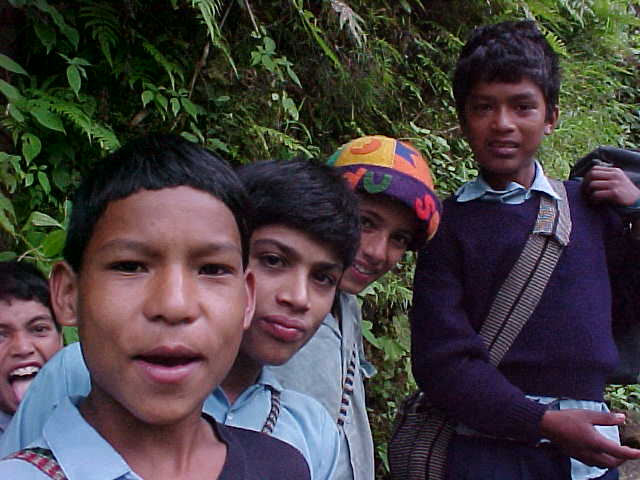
pixel 65 374
pixel 449 358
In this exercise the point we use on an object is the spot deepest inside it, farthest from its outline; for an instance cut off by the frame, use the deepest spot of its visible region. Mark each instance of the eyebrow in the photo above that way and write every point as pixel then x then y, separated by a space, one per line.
pixel 517 97
pixel 148 251
pixel 294 254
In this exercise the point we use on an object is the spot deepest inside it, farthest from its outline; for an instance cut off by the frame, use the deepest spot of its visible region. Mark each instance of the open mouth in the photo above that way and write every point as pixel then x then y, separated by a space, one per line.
pixel 168 365
pixel 21 378
pixel 363 271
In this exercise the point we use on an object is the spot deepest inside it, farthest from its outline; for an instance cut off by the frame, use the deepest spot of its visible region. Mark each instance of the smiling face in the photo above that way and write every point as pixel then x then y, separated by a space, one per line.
pixel 161 302
pixel 296 280
pixel 28 338
pixel 504 124
pixel 387 230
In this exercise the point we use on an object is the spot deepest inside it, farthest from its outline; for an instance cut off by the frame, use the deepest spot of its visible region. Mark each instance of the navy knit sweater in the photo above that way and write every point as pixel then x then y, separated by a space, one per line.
pixel 565 349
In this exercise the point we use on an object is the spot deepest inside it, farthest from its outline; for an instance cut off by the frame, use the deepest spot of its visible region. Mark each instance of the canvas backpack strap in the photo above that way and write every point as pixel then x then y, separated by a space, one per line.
pixel 274 413
pixel 42 459
pixel 520 293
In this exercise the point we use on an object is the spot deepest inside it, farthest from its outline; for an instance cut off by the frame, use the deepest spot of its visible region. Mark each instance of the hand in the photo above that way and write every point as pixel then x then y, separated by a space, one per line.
pixel 610 184
pixel 572 430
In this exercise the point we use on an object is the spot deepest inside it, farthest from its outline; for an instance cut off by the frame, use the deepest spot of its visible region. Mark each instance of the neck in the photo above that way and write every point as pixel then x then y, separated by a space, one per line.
pixel 499 181
pixel 244 373
pixel 175 450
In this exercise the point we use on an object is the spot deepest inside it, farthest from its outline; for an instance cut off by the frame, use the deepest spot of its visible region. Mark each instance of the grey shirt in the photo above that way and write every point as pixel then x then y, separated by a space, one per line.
pixel 331 368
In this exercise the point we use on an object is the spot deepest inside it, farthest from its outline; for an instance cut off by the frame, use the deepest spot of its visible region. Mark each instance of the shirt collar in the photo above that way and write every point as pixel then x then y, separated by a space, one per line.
pixel 79 448
pixel 514 193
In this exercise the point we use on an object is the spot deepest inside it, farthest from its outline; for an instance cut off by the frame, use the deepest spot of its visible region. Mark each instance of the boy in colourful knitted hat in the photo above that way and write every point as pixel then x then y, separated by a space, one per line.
pixel 399 210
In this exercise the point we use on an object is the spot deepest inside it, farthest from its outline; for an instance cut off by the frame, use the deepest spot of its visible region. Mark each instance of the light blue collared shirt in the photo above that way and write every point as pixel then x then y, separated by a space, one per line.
pixel 82 452
pixel 514 194
pixel 303 422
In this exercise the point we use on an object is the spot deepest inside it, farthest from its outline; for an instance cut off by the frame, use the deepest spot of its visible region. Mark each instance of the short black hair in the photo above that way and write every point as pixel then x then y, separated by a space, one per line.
pixel 507 52
pixel 23 281
pixel 307 196
pixel 152 162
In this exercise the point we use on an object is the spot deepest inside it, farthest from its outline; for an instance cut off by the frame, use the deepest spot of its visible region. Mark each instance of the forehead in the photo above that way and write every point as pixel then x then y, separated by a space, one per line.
pixel 16 313
pixel 167 218
pixel 294 242
pixel 523 88
pixel 392 212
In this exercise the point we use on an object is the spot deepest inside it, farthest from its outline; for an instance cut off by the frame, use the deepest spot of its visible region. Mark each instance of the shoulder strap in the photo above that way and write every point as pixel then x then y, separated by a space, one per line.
pixel 43 460
pixel 274 413
pixel 519 295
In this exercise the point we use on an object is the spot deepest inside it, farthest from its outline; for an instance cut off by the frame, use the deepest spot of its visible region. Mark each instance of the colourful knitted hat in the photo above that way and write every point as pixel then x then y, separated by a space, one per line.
pixel 382 165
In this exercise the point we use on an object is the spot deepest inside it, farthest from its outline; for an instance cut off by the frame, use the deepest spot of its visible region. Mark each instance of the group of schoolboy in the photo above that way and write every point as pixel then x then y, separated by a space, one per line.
pixel 207 301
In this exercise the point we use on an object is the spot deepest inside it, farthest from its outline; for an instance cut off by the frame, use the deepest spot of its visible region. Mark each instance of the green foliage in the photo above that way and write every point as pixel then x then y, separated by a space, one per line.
pixel 283 78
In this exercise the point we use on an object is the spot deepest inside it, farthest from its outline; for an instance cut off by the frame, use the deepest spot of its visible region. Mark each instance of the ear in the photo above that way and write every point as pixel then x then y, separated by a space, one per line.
pixel 250 308
pixel 64 294
pixel 551 123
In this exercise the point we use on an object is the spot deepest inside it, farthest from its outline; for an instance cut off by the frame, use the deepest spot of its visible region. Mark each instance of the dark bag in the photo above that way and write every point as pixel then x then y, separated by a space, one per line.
pixel 626 300
pixel 627 160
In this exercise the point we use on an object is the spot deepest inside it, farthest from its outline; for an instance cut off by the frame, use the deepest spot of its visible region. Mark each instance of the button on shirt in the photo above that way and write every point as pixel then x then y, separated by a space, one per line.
pixel 303 423
pixel 515 194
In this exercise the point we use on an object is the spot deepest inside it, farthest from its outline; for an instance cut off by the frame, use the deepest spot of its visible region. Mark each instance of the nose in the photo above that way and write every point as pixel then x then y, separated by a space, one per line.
pixel 22 345
pixel 172 296
pixel 294 292
pixel 502 120
pixel 374 246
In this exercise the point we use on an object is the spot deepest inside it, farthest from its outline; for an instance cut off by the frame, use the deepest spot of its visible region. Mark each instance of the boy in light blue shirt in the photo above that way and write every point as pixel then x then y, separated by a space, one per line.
pixel 299 250
pixel 155 279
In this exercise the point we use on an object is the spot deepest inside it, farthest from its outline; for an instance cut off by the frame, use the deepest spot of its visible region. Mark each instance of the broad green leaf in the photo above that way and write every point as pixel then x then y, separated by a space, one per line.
pixel 44 182
pixel 7 256
pixel 48 119
pixel 54 243
pixel 189 107
pixel 73 76
pixel 61 177
pixel 6 214
pixel 46 35
pixel 12 66
pixel 269 45
pixel 175 106
pixel 39 219
pixel 162 100
pixel 31 147
pixel 28 179
pixel 147 96
pixel 9 91
pixel 15 113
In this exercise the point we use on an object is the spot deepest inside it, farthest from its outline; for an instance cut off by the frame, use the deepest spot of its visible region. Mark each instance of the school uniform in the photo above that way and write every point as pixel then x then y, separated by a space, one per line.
pixel 560 359
pixel 82 454
pixel 302 422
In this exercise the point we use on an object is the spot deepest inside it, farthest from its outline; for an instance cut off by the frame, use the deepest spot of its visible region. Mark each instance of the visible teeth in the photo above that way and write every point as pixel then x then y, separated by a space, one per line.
pixel 365 272
pixel 22 371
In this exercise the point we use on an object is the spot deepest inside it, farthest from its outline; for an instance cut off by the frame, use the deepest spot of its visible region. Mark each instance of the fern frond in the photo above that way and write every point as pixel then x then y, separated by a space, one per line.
pixel 104 23
pixel 210 11
pixel 353 21
pixel 168 66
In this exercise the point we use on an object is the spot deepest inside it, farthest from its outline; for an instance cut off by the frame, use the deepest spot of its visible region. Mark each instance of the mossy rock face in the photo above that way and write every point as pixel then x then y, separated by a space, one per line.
pixel 630 431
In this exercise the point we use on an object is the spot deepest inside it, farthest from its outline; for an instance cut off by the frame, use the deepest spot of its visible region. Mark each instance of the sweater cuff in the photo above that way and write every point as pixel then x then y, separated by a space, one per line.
pixel 525 418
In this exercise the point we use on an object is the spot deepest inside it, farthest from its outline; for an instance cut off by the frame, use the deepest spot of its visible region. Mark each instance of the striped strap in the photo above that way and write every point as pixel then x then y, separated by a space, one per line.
pixel 274 413
pixel 347 387
pixel 520 293
pixel 43 460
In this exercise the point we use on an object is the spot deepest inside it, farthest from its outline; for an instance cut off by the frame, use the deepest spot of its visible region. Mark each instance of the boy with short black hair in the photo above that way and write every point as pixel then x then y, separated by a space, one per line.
pixel 539 414
pixel 398 210
pixel 155 280
pixel 29 333
pixel 306 231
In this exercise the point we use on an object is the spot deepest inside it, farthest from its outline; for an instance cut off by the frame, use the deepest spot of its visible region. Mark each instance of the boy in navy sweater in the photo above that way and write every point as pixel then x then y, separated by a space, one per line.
pixel 540 413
